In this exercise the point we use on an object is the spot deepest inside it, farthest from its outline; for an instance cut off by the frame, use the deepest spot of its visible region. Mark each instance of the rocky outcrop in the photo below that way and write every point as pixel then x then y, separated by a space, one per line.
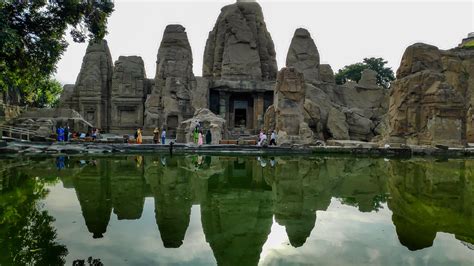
pixel 128 93
pixel 170 99
pixel 368 79
pixel 208 121
pixel 303 55
pixel 288 109
pixel 240 47
pixel 431 100
pixel 326 73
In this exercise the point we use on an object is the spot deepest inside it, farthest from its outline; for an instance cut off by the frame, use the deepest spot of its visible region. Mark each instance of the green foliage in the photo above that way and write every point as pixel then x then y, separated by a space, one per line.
pixel 27 235
pixel 469 44
pixel 353 72
pixel 32 40
pixel 45 93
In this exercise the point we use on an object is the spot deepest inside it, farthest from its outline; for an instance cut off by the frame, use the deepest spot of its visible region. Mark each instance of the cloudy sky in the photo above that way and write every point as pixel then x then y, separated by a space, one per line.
pixel 344 31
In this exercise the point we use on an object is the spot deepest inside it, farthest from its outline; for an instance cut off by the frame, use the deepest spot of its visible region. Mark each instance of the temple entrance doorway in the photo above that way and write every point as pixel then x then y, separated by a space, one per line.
pixel 240 118
pixel 240 113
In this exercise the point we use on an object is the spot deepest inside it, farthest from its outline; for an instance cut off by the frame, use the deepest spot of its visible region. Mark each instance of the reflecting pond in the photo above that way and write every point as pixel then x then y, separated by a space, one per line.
pixel 203 210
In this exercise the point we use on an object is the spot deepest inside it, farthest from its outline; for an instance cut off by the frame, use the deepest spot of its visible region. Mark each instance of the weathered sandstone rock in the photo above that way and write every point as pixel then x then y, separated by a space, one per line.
pixel 170 99
pixel 288 106
pixel 326 73
pixel 128 93
pixel 431 97
pixel 368 79
pixel 240 47
pixel 93 84
pixel 303 55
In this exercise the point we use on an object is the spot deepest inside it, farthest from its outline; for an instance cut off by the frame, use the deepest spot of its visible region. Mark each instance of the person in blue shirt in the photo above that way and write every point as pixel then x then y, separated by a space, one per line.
pixel 163 136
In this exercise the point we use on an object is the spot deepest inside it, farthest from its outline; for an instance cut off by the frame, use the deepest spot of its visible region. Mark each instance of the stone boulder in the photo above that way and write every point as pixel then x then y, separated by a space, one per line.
pixel 368 79
pixel 303 55
pixel 240 47
pixel 326 73
pixel 337 125
pixel 208 121
pixel 418 57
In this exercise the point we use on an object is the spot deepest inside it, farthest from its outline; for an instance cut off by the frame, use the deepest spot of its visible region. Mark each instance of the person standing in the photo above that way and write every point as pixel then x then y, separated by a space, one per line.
pixel 139 136
pixel 263 139
pixel 196 135
pixel 273 138
pixel 61 134
pixel 163 136
pixel 200 138
pixel 94 134
pixel 208 137
pixel 66 133
pixel 156 136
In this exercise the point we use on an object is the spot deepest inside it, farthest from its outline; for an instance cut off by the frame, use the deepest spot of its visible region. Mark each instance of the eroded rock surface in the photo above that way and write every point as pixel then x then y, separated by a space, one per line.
pixel 240 47
pixel 170 99
pixel 128 93
pixel 91 91
pixel 431 100
pixel 303 55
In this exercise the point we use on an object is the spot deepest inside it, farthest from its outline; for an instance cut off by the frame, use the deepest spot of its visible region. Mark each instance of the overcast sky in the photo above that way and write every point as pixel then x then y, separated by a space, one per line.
pixel 344 31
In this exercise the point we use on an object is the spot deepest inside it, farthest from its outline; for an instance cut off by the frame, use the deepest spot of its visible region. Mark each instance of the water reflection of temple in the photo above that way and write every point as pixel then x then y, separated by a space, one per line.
pixel 430 198
pixel 240 196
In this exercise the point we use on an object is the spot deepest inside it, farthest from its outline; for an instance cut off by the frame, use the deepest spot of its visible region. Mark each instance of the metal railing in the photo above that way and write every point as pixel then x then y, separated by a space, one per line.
pixel 17 132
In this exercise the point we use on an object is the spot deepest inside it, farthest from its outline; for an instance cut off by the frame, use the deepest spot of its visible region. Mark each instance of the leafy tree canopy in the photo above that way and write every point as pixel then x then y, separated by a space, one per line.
pixel 32 40
pixel 353 72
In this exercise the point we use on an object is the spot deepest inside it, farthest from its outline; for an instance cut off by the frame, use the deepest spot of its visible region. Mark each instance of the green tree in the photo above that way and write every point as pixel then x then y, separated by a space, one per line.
pixel 353 72
pixel 32 40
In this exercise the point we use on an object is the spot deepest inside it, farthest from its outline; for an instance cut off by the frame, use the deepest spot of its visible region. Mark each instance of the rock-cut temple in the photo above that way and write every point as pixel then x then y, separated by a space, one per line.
pixel 430 103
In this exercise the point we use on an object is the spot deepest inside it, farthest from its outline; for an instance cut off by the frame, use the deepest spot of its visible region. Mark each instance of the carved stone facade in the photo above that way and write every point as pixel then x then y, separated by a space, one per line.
pixel 170 101
pixel 129 89
pixel 431 102
pixel 91 93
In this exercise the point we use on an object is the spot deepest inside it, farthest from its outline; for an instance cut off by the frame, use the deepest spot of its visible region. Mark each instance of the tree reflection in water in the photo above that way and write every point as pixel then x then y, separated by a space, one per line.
pixel 240 196
pixel 27 236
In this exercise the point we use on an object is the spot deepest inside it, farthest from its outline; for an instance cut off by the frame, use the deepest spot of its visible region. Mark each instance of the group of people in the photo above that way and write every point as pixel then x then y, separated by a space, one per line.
pixel 199 137
pixel 156 136
pixel 64 134
pixel 262 138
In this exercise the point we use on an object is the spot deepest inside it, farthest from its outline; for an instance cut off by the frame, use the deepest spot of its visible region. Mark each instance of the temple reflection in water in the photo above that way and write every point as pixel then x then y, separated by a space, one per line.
pixel 240 197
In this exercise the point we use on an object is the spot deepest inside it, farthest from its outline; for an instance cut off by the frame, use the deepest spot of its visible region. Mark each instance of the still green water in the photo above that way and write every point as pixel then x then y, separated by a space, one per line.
pixel 203 210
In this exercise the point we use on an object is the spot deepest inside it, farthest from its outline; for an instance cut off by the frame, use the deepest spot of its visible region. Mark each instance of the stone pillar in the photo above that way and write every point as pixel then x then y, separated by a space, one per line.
pixel 258 111
pixel 222 105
